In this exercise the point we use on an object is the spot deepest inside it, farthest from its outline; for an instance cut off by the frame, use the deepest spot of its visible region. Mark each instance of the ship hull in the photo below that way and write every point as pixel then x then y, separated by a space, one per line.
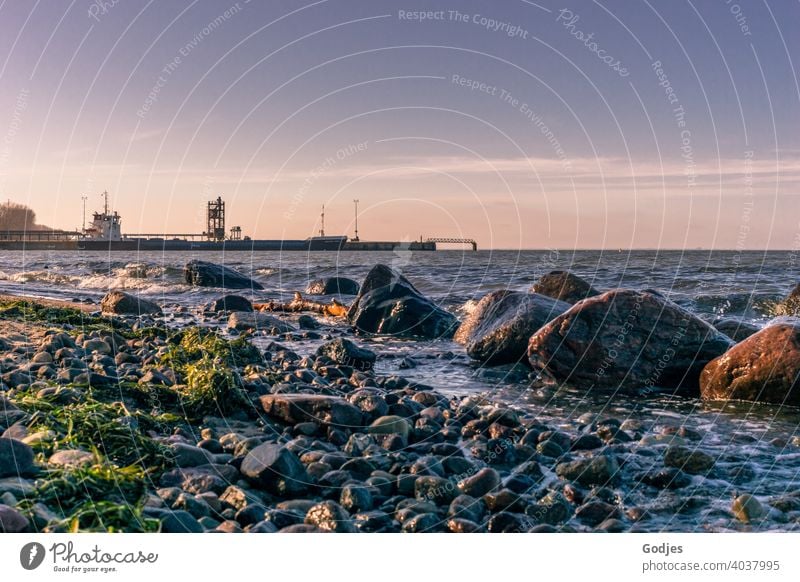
pixel 161 245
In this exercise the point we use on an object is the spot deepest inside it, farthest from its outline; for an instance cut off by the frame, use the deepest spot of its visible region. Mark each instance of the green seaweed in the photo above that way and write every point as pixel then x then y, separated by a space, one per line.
pixel 100 498
pixel 36 312
pixel 207 366
pixel 110 428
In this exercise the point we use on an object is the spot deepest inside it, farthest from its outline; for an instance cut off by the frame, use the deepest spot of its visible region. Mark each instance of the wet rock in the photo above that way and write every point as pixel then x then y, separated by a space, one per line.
pixel 12 521
pixel 276 469
pixel 324 410
pixel 333 286
pixel 330 516
pixel 372 521
pixel 587 442
pixel 346 353
pixel 564 286
pixel 207 478
pixel 205 274
pixel 390 425
pixel 307 322
pixel 422 523
pixel 467 507
pixel 597 470
pixel 691 461
pixel 549 448
pixel 462 525
pixel 627 340
pixel 388 304
pixel 499 328
pixel 791 305
pixel 16 458
pixel 748 509
pixel 437 490
pixel 505 500
pixel 667 478
pixel 594 513
pixel 355 498
pixel 612 525
pixel 71 458
pixel 155 378
pixel 121 303
pixel 736 329
pixel 242 321
pixel 507 522
pixel 180 522
pixel 480 483
pixel 765 367
pixel 230 303
pixel 186 455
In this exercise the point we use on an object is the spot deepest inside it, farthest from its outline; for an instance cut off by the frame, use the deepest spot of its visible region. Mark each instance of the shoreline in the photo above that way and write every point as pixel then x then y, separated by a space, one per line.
pixel 48 302
pixel 180 428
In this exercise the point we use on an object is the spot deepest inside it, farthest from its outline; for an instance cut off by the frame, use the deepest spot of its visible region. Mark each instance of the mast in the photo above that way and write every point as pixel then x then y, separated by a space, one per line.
pixel 105 207
pixel 356 204
pixel 322 228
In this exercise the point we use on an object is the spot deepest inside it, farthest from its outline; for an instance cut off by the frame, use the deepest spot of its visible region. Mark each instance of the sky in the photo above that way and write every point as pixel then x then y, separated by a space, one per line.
pixel 579 124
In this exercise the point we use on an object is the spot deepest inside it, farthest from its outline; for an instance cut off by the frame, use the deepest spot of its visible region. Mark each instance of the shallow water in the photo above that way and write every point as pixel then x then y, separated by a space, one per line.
pixel 739 436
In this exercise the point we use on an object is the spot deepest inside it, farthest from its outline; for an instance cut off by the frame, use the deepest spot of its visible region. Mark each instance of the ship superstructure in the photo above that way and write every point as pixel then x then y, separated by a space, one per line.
pixel 105 226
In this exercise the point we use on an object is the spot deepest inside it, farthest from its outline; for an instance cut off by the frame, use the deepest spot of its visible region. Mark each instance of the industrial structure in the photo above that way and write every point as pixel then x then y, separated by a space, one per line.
pixel 104 233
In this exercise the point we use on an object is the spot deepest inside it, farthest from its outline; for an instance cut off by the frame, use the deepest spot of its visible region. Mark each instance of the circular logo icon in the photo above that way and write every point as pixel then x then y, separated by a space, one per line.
pixel 31 555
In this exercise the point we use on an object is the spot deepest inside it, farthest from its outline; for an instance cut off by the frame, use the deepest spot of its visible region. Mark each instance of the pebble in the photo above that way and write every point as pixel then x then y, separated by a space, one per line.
pixel 12 521
pixel 691 461
pixel 16 457
pixel 481 483
pixel 747 509
pixel 590 471
pixel 330 516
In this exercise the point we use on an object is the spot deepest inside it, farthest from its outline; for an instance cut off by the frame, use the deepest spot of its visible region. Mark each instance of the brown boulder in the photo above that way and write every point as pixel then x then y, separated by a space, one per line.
pixel 564 286
pixel 763 368
pixel 498 329
pixel 121 303
pixel 627 340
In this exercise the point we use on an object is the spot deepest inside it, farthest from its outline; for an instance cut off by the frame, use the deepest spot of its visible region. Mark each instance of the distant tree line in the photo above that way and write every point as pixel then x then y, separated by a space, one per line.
pixel 15 216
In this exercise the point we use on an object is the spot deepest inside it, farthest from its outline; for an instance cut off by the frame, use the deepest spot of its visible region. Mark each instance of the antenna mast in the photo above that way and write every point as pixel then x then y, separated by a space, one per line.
pixel 356 204
pixel 105 195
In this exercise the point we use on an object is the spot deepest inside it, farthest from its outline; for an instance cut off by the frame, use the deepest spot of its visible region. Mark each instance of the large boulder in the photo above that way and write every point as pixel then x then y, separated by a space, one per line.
pixel 230 303
pixel 564 286
pixel 498 329
pixel 765 367
pixel 627 340
pixel 297 408
pixel 344 352
pixel 243 321
pixel 389 304
pixel 121 303
pixel 333 286
pixel 205 274
pixel 275 468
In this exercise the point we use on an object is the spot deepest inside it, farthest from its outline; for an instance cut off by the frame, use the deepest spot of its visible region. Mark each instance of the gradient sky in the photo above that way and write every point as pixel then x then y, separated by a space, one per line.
pixel 282 106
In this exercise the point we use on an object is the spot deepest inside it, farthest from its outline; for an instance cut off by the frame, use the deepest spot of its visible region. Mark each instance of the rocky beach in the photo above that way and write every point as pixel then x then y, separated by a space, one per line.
pixel 594 405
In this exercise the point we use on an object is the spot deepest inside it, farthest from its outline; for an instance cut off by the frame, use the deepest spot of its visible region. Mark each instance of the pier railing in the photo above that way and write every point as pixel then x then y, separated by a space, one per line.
pixel 455 241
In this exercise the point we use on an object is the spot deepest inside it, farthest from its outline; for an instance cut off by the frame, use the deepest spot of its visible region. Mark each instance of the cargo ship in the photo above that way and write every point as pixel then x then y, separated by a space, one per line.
pixel 104 233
